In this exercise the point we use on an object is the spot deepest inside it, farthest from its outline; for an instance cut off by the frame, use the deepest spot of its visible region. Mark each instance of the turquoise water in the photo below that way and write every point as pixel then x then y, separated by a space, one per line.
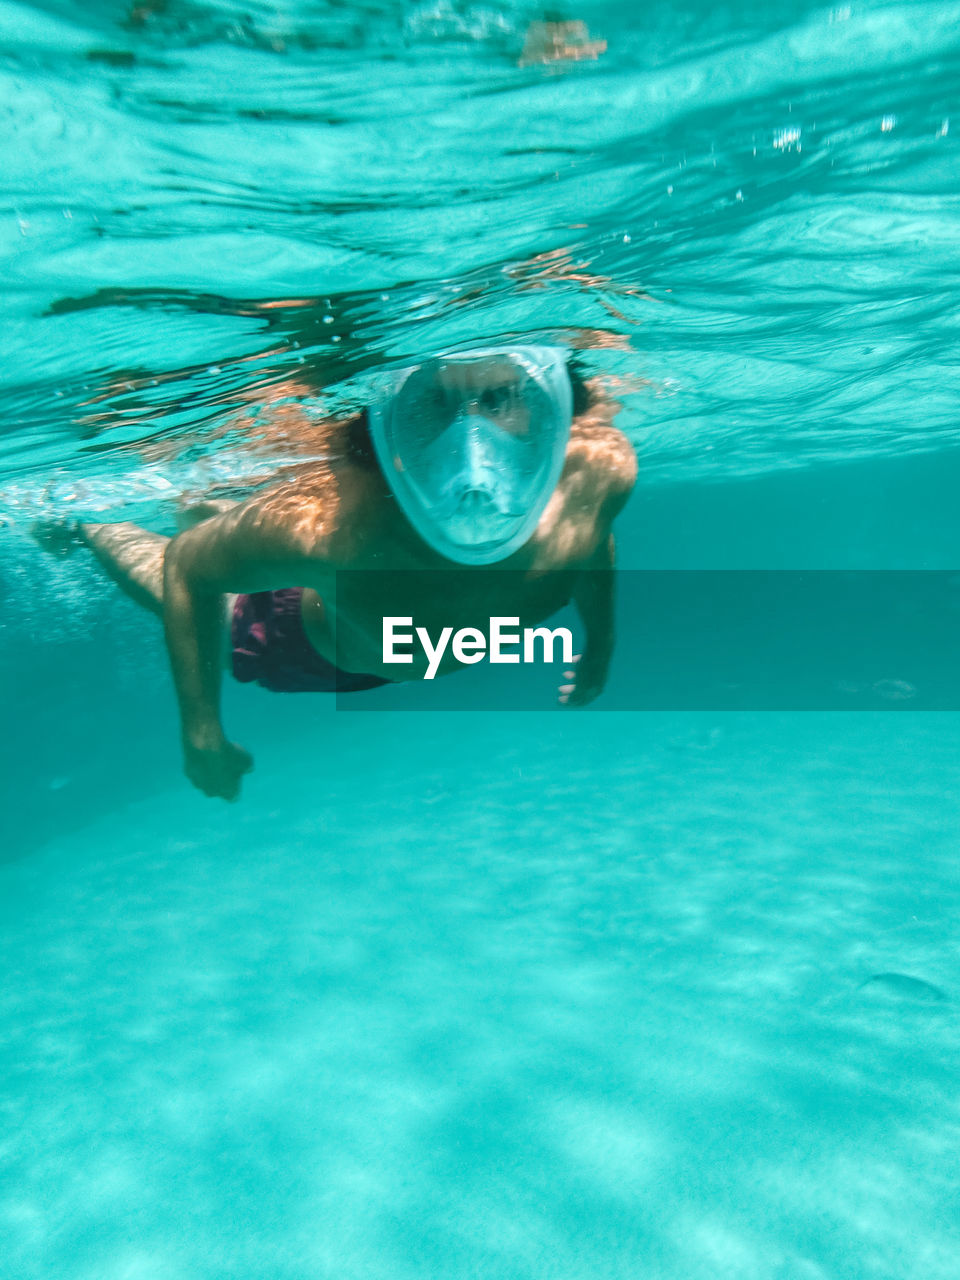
pixel 551 995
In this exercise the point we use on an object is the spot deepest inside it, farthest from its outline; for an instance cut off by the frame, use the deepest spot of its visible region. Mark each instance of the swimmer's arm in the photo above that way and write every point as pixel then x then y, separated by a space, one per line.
pixel 606 490
pixel 593 596
pixel 242 551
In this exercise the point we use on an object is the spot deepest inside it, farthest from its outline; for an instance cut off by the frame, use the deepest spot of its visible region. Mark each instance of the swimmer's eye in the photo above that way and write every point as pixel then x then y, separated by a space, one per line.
pixel 500 400
pixel 433 403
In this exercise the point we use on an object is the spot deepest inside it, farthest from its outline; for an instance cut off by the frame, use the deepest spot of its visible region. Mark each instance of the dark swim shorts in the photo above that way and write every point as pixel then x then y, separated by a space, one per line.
pixel 271 647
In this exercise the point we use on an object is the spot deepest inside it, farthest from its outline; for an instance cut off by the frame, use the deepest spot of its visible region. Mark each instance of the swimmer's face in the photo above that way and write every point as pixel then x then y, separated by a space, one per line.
pixel 495 388
pixel 472 444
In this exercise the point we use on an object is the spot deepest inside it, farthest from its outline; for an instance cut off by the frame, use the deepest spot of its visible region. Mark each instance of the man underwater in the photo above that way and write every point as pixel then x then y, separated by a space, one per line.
pixel 495 458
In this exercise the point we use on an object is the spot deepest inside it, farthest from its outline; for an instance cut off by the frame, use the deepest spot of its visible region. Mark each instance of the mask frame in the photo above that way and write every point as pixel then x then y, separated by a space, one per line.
pixel 546 366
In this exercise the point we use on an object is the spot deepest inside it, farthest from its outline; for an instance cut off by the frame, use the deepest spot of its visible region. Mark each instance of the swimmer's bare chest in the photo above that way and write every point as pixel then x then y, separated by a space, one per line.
pixel 352 637
pixel 393 574
pixel 344 621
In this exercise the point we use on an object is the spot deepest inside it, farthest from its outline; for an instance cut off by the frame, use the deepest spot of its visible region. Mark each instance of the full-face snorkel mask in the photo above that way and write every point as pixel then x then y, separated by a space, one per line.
pixel 472 444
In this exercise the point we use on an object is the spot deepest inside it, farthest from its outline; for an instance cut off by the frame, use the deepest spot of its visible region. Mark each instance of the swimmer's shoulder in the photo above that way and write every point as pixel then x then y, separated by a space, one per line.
pixel 601 464
pixel 327 510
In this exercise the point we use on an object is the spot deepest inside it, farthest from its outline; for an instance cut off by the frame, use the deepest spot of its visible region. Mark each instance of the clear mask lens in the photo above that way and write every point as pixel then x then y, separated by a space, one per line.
pixel 473 445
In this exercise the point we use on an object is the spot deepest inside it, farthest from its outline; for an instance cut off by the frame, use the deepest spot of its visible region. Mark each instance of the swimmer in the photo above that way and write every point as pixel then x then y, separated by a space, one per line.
pixel 497 458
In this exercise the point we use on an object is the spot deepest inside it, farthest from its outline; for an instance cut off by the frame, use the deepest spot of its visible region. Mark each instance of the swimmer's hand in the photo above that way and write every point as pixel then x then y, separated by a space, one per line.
pixel 588 677
pixel 216 766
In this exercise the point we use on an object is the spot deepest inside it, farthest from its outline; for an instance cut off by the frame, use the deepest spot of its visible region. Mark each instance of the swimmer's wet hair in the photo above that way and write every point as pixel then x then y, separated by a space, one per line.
pixel 360 445
pixel 582 396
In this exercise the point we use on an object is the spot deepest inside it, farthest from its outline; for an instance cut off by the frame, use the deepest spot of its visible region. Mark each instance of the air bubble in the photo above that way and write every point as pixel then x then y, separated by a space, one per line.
pixel 787 139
